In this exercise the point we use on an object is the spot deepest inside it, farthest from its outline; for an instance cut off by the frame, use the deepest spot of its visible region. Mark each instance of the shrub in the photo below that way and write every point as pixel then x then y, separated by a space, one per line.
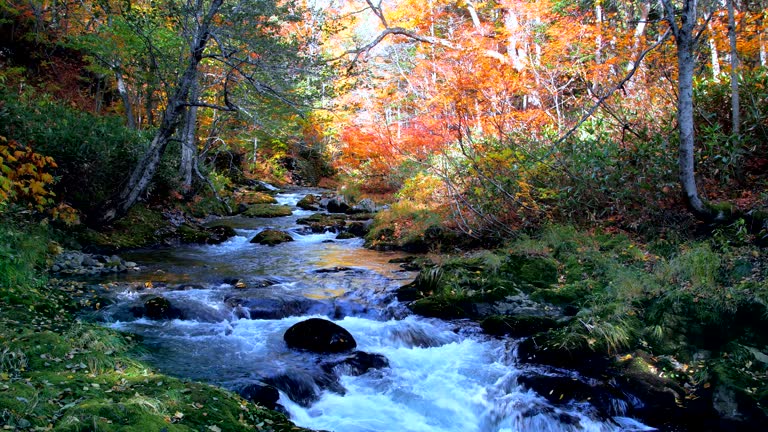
pixel 94 154
pixel 23 251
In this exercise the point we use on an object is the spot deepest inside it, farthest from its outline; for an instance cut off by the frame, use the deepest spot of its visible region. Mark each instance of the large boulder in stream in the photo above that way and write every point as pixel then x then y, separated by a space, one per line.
pixel 272 237
pixel 320 336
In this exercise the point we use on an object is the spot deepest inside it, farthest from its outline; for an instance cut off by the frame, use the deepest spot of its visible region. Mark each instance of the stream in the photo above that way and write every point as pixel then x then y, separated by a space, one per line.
pixel 442 376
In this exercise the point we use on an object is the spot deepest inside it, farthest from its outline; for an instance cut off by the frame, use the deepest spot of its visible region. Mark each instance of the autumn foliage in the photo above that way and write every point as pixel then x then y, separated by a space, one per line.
pixel 24 177
pixel 533 110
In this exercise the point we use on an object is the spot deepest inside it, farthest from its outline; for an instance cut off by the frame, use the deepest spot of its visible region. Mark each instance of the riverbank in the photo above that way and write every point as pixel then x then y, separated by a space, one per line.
pixel 58 373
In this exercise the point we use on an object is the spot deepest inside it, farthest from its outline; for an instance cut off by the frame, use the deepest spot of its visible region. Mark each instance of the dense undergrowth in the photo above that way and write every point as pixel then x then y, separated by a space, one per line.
pixel 57 373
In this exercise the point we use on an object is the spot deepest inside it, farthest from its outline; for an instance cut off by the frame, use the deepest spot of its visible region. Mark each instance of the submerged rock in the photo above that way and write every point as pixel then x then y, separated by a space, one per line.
pixel 357 363
pixel 303 388
pixel 271 308
pixel 319 335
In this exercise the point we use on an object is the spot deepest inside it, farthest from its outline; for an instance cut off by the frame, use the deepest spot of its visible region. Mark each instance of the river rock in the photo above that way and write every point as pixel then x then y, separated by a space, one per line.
pixel 319 335
pixel 541 350
pixel 559 390
pixel 309 202
pixel 322 222
pixel 271 308
pixel 272 237
pixel 358 228
pixel 79 263
pixel 365 205
pixel 357 364
pixel 159 308
pixel 304 388
pixel 261 393
pixel 267 211
pixel 219 234
pixel 337 204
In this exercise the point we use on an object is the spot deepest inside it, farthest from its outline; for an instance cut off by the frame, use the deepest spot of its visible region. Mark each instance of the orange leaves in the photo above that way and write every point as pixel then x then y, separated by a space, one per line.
pixel 23 176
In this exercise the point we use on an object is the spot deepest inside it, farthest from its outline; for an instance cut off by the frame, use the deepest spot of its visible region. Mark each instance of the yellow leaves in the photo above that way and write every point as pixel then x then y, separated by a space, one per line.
pixel 23 179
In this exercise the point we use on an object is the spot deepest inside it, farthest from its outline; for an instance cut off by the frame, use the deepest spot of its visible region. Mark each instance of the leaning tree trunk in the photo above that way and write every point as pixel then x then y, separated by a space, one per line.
pixel 122 89
pixel 143 173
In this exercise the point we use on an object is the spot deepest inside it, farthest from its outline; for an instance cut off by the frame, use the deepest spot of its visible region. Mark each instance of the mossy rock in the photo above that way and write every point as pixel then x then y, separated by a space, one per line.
pixel 254 197
pixel 309 202
pixel 220 233
pixel 141 227
pixel 322 222
pixel 272 237
pixel 442 307
pixel 345 236
pixel 267 211
pixel 192 234
pixel 517 326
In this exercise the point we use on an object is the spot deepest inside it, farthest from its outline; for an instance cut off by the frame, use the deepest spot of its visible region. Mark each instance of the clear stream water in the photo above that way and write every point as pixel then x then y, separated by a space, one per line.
pixel 442 376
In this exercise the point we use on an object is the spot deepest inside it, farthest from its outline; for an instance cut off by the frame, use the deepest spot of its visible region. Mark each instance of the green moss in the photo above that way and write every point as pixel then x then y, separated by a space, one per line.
pixel 572 293
pixel 191 234
pixel 252 197
pixel 267 211
pixel 271 237
pixel 541 272
pixel 516 326
pixel 141 227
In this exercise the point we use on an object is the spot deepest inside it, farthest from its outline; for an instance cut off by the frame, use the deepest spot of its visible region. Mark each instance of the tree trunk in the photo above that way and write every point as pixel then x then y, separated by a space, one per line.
pixel 686 61
pixel 599 32
pixel 515 48
pixel 188 142
pixel 122 89
pixel 143 173
pixel 763 46
pixel 735 104
pixel 473 15
pixel 714 55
